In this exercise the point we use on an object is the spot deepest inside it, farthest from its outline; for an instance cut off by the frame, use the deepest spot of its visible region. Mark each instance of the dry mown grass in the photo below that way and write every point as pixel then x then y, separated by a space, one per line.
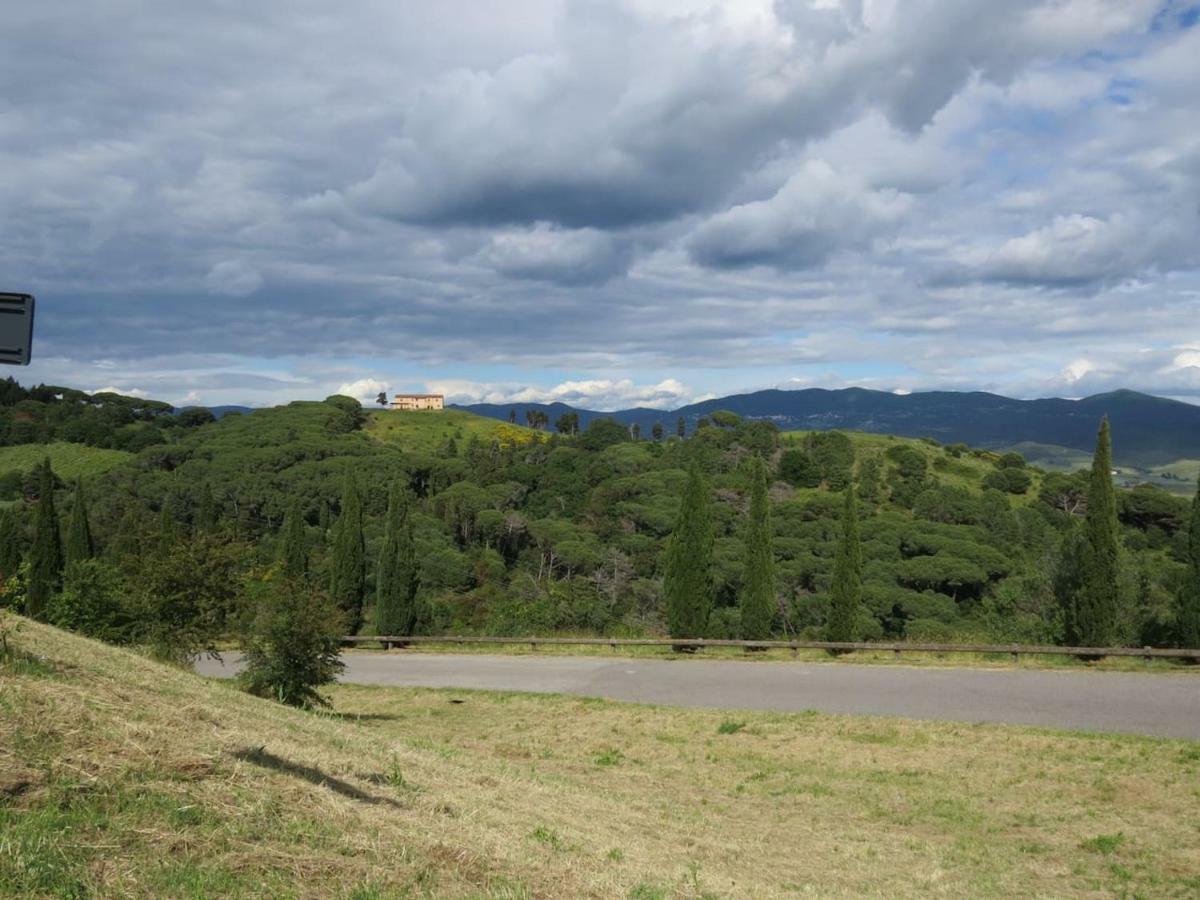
pixel 122 777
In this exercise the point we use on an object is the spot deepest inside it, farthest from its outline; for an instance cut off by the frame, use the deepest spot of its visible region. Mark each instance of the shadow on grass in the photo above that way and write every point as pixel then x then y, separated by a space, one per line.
pixel 359 717
pixel 260 757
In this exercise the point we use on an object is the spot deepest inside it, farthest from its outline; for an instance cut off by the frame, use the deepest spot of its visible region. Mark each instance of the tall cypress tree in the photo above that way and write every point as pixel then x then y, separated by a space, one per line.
pixel 168 527
pixel 348 577
pixel 687 578
pixel 396 579
pixel 46 557
pixel 79 545
pixel 208 510
pixel 10 546
pixel 758 580
pixel 1094 619
pixel 295 554
pixel 1187 603
pixel 845 595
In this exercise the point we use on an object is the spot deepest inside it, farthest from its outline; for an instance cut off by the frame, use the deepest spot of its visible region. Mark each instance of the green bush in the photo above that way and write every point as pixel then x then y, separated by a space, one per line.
pixel 291 639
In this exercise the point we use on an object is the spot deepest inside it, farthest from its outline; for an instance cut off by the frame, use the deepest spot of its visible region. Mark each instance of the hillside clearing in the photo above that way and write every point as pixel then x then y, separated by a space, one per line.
pixel 68 460
pixel 428 431
pixel 122 777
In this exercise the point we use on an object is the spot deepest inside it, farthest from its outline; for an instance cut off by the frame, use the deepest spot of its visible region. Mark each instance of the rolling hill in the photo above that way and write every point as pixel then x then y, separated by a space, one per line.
pixel 1147 431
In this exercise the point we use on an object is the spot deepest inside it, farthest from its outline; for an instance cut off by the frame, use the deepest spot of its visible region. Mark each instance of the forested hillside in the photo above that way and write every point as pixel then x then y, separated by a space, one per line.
pixel 1150 431
pixel 514 531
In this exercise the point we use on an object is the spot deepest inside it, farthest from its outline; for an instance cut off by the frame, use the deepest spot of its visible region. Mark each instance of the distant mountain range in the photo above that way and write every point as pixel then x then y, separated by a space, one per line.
pixel 1147 430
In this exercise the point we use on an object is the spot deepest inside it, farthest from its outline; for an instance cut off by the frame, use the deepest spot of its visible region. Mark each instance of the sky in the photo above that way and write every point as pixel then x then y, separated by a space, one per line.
pixel 604 202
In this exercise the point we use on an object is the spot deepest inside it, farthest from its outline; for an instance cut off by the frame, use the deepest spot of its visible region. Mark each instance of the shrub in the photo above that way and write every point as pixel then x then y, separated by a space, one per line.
pixel 292 636
pixel 92 602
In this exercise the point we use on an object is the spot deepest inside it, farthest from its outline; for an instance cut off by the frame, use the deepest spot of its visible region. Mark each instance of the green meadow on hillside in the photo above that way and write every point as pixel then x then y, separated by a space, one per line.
pixel 121 777
pixel 429 431
pixel 70 461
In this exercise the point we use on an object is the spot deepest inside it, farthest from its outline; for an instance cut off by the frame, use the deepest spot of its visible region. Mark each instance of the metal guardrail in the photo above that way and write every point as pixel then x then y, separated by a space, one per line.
pixel 1015 650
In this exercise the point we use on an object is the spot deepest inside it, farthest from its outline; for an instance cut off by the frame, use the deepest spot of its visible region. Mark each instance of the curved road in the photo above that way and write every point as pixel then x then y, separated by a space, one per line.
pixel 1163 705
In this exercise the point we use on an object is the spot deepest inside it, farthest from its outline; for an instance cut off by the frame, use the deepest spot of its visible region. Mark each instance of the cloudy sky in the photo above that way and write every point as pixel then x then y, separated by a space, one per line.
pixel 608 202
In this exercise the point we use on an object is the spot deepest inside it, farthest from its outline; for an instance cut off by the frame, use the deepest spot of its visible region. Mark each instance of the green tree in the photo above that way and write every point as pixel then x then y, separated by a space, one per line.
pixel 295 554
pixel 208 511
pixel 46 556
pixel 396 579
pixel 687 579
pixel 10 545
pixel 758 581
pixel 845 595
pixel 184 596
pixel 168 526
pixel 1095 611
pixel 79 545
pixel 93 602
pixel 681 427
pixel 291 642
pixel 656 431
pixel 348 576
pixel 1187 601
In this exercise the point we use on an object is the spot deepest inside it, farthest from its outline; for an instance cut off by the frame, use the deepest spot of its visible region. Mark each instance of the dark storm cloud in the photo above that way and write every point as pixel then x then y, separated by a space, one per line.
pixel 602 185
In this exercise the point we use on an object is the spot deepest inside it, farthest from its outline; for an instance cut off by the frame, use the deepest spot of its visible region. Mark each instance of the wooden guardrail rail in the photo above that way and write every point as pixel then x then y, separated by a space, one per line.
pixel 1015 650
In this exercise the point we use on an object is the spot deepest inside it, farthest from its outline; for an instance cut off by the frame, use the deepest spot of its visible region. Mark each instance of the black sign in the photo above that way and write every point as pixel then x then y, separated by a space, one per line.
pixel 16 329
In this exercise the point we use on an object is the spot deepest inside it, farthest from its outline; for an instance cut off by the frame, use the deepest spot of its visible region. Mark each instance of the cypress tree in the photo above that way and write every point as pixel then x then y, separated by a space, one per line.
pixel 687 579
pixel 79 545
pixel 1094 621
pixel 1187 603
pixel 396 580
pixel 349 570
pixel 46 557
pixel 208 511
pixel 323 516
pixel 846 590
pixel 758 581
pixel 168 529
pixel 295 555
pixel 10 546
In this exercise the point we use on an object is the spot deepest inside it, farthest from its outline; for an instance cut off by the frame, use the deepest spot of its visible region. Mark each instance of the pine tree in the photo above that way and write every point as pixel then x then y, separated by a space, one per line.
pixel 846 590
pixel 396 579
pixel 680 427
pixel 1187 602
pixel 295 555
pixel 687 579
pixel 46 557
pixel 347 584
pixel 10 546
pixel 1094 617
pixel 758 581
pixel 78 546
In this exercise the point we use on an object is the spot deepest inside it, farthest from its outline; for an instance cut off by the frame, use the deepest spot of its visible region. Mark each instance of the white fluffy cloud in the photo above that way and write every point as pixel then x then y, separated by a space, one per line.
pixel 736 193
pixel 599 394
pixel 365 389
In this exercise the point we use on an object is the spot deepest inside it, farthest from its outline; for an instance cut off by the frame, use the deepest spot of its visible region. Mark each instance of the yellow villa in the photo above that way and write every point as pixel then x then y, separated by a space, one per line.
pixel 408 402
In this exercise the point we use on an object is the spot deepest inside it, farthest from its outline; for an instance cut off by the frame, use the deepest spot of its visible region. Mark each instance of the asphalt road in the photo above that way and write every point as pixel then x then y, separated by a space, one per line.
pixel 1162 705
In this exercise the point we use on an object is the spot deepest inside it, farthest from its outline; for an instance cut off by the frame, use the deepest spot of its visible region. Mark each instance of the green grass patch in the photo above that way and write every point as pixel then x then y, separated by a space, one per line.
pixel 69 461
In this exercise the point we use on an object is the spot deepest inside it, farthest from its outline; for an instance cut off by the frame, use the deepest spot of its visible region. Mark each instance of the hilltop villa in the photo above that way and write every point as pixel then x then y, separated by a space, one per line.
pixel 407 402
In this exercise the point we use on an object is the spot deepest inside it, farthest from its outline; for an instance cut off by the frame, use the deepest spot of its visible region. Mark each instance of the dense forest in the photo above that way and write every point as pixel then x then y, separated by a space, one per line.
pixel 445 522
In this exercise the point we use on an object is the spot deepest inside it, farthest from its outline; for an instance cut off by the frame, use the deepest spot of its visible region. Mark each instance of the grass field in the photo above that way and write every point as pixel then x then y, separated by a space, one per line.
pixel 69 460
pixel 427 431
pixel 121 777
